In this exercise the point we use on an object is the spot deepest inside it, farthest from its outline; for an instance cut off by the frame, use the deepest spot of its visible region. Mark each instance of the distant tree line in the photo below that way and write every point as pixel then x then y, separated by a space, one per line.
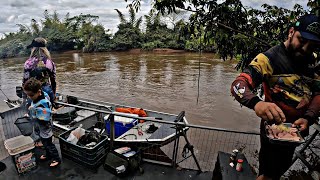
pixel 83 32
pixel 227 28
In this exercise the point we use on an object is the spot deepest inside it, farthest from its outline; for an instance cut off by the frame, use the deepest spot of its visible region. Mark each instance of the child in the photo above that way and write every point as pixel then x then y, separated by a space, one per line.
pixel 40 110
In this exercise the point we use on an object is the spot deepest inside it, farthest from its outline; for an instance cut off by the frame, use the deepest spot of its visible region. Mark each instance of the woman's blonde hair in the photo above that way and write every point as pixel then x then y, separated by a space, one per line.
pixel 38 52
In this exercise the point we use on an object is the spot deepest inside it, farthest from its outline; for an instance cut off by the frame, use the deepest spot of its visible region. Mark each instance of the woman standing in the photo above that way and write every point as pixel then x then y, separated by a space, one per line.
pixel 40 66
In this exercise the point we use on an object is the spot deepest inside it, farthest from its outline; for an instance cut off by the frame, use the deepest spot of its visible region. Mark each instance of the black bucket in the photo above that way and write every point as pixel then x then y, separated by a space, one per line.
pixel 24 125
pixel 72 100
pixel 65 115
pixel 2 167
pixel 19 91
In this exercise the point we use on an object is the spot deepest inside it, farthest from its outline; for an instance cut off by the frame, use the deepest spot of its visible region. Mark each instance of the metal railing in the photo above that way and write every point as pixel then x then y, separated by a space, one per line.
pixel 206 144
pixel 205 141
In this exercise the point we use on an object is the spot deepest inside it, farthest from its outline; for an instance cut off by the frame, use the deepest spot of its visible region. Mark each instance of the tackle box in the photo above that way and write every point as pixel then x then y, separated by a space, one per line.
pixel 21 150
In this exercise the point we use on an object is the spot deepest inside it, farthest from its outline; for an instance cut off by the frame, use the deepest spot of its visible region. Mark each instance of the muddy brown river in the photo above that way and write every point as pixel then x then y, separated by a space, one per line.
pixel 160 82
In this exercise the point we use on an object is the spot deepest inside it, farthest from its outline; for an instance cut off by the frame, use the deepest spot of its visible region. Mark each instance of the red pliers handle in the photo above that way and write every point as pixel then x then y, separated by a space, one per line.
pixel 140 133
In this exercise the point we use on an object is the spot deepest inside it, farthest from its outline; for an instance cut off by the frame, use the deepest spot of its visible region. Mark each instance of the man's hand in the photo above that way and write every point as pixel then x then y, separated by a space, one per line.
pixel 301 123
pixel 31 108
pixel 269 111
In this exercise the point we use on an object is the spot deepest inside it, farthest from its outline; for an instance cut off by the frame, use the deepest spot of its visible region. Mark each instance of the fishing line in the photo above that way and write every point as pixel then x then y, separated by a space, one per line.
pixel 199 70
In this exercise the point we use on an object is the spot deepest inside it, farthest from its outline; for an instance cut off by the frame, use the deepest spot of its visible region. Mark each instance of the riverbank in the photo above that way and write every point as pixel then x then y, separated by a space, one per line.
pixel 157 50
pixel 139 50
pixel 131 51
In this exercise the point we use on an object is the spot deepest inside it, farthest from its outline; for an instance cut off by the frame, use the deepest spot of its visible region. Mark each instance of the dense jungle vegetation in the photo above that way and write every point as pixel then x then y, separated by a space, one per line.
pixel 226 28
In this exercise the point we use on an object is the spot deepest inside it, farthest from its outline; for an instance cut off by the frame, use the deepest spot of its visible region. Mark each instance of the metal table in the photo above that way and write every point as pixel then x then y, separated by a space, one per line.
pixel 224 171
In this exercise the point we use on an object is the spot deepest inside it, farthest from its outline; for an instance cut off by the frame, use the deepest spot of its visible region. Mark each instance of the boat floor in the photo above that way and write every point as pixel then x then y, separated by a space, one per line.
pixel 71 170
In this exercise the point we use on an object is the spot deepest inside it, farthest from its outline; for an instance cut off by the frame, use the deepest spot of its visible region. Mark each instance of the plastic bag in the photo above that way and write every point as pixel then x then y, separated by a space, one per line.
pixel 79 131
pixel 76 134
pixel 72 139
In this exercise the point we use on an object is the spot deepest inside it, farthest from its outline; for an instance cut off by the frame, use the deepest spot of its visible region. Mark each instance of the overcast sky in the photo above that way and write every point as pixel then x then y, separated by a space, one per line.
pixel 22 11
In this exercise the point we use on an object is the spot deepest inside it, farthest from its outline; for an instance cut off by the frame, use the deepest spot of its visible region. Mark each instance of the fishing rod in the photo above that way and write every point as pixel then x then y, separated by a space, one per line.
pixel 10 103
pixel 5 95
pixel 248 35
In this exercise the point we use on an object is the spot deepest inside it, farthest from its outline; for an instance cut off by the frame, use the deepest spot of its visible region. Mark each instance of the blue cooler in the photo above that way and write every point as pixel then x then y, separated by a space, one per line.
pixel 121 124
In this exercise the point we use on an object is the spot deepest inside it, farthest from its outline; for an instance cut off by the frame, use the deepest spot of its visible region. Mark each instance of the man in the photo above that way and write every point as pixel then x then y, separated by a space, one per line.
pixel 291 89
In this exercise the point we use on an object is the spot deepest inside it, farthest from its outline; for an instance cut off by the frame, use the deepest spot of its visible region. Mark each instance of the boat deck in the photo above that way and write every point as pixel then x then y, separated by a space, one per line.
pixel 71 170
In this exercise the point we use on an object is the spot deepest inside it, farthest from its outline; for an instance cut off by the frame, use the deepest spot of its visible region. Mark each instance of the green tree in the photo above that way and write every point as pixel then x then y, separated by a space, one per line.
pixel 232 28
pixel 157 34
pixel 181 29
pixel 78 32
pixel 56 32
pixel 94 37
pixel 315 6
pixel 85 35
pixel 35 27
pixel 129 34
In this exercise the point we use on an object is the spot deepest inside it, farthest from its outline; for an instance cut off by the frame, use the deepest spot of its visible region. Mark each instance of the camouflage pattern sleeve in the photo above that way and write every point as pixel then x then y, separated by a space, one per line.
pixel 249 79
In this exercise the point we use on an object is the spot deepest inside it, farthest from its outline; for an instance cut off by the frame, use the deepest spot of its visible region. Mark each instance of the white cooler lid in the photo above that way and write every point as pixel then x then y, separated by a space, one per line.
pixel 124 120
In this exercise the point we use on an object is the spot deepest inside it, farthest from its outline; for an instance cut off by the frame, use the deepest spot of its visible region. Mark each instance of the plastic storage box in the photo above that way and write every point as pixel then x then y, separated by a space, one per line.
pixel 18 144
pixel 91 158
pixel 121 163
pixel 121 124
pixel 21 149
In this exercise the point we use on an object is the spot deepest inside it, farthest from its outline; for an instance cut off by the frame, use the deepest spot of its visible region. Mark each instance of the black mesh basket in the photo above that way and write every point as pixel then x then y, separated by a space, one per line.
pixel 25 125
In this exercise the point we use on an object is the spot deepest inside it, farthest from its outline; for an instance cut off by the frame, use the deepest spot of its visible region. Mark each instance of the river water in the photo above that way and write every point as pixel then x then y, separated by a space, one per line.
pixel 160 82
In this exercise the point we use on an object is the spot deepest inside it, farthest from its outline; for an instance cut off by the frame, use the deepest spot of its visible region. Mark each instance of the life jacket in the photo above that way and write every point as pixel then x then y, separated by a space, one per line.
pixel 42 113
pixel 138 111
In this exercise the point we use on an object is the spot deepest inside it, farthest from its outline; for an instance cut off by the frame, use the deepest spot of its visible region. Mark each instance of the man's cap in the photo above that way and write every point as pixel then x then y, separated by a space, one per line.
pixel 38 42
pixel 309 27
